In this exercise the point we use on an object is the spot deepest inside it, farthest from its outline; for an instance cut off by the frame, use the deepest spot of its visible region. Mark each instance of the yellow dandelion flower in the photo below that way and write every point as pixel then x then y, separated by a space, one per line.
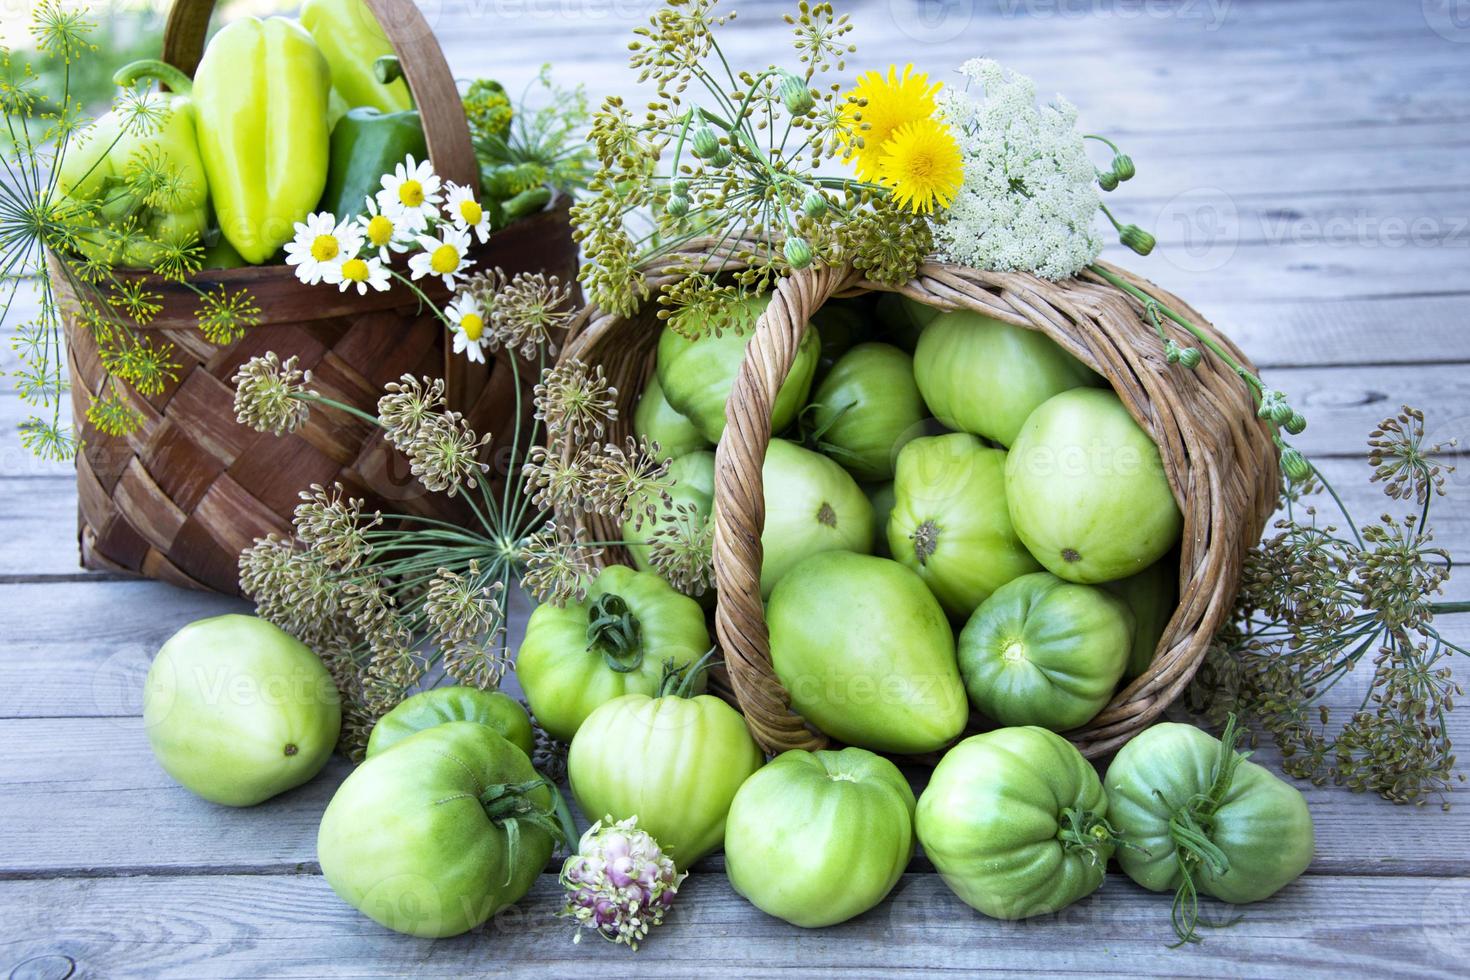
pixel 884 104
pixel 923 165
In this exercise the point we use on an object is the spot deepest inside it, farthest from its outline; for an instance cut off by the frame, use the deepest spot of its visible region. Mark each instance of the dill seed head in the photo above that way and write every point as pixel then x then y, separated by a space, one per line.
pixel 268 394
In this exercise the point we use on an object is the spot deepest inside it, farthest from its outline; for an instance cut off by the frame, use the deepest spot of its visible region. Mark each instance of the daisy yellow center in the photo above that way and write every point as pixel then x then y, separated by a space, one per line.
pixel 380 230
pixel 471 212
pixel 355 270
pixel 411 193
pixel 324 248
pixel 473 325
pixel 445 259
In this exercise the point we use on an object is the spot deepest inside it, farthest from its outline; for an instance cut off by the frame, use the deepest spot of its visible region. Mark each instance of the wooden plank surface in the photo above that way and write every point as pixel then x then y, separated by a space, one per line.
pixel 1305 168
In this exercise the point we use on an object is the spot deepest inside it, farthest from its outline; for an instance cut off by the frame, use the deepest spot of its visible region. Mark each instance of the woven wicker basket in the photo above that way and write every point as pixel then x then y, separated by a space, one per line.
pixel 1219 458
pixel 179 498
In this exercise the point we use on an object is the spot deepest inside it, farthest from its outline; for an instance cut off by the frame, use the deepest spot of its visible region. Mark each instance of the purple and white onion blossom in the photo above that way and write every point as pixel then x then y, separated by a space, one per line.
pixel 619 882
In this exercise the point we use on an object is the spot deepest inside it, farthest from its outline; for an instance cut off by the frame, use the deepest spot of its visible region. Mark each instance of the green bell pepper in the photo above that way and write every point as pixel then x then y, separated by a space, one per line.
pixel 155 177
pixel 261 94
pixel 366 144
pixel 351 38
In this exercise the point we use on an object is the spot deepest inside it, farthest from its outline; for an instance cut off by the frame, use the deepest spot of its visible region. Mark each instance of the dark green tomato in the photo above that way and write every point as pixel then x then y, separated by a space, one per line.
pixel 614 642
pixel 840 326
pixel 867 408
pixel 980 375
pixel 441 833
pixel 444 704
pixel 881 496
pixel 866 653
pixel 1015 821
pixel 1152 595
pixel 697 376
pixel 902 320
pixel 812 505
pixel 656 419
pixel 693 477
pixel 950 522
pixel 1041 651
pixel 816 838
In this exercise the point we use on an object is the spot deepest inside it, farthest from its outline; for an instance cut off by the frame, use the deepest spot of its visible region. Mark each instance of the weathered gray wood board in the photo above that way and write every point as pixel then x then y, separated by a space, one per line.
pixel 1305 167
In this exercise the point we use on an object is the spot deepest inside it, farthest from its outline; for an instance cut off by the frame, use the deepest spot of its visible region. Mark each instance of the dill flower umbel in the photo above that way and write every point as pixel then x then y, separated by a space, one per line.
pixel 922 163
pixel 881 105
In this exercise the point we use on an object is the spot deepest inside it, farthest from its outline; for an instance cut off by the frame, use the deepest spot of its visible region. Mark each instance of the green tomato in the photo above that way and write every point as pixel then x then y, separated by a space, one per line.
pixel 655 419
pixel 693 476
pixel 1178 792
pixel 812 505
pixel 867 408
pixel 1152 596
pixel 616 641
pixel 816 838
pixel 840 325
pixel 698 375
pixel 903 319
pixel 866 653
pixel 237 710
pixel 950 522
pixel 883 499
pixel 980 375
pixel 1087 491
pixel 418 840
pixel 1015 820
pixel 1042 651
pixel 444 704
pixel 673 762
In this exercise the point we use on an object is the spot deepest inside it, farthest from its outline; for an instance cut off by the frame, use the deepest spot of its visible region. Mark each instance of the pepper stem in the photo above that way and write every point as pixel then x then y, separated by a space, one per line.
pixel 159 71
pixel 615 633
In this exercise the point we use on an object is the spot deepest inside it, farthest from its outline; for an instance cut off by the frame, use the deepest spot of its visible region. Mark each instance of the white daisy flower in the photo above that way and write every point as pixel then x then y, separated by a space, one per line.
pixel 465 212
pixel 385 230
pixel 467 320
pixel 446 256
pixel 364 273
pixel 413 188
pixel 320 244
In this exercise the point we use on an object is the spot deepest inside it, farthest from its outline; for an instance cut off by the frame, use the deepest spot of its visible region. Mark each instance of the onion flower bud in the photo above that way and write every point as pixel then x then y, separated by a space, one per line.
pixel 619 883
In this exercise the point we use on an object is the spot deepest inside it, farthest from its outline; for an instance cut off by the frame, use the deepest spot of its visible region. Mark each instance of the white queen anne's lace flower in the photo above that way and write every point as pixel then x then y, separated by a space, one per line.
pixel 1030 198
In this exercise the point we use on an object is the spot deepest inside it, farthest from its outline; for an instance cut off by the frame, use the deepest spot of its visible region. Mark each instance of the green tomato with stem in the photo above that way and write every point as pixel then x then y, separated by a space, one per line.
pixel 615 641
pixel 867 408
pixel 812 505
pixel 655 419
pixel 950 522
pixel 690 498
pixel 816 838
pixel 440 705
pixel 1043 651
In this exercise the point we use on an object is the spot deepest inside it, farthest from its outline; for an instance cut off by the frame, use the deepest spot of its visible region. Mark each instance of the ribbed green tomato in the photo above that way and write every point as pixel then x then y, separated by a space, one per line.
pixel 420 840
pixel 237 710
pixel 812 505
pixel 614 642
pixel 816 838
pixel 693 476
pixel 697 376
pixel 1087 491
pixel 903 320
pixel 980 375
pixel 1042 651
pixel 950 522
pixel 673 762
pixel 866 653
pixel 1015 822
pixel 1178 792
pixel 656 419
pixel 445 704
pixel 1152 596
pixel 883 499
pixel 867 408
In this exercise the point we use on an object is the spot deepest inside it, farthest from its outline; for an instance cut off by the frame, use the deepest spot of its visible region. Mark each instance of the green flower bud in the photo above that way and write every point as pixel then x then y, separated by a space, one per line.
pixel 1295 465
pixel 1281 413
pixel 1271 402
pixel 705 143
pixel 1296 425
pixel 814 205
pixel 1108 180
pixel 1190 357
pixel 720 158
pixel 678 206
pixel 795 94
pixel 1137 239
pixel 1123 167
pixel 1172 352
pixel 679 187
pixel 798 252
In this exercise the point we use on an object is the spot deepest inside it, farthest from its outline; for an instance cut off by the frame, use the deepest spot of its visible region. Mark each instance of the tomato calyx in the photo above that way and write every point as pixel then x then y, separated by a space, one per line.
pixel 926 540
pixel 615 633
pixel 680 681
pixel 510 804
pixel 1090 834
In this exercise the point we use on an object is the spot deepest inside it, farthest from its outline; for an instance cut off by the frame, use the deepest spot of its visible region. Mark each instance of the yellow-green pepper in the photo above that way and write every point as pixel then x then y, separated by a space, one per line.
pixel 260 94
pixel 351 39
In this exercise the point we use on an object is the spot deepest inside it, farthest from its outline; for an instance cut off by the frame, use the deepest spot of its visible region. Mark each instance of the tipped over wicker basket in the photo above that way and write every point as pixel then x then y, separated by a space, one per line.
pixel 1219 458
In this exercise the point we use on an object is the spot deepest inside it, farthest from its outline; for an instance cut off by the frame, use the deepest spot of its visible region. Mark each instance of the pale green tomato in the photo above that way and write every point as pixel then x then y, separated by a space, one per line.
pixel 882 497
pixel 1087 491
pixel 672 762
pixel 903 320
pixel 614 642
pixel 693 476
pixel 1042 651
pixel 812 505
pixel 697 376
pixel 978 374
pixel 867 408
pixel 417 839
pixel 866 653
pixel 816 838
pixel 444 704
pixel 238 710
pixel 1152 596
pixel 950 522
pixel 1014 820
pixel 655 419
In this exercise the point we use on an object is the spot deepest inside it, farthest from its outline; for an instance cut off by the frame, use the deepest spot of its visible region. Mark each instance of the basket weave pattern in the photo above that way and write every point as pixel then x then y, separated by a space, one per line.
pixel 1219 458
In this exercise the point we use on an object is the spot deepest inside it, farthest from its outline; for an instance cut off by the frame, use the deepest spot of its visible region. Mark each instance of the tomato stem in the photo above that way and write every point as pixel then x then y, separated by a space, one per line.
pixel 615 633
